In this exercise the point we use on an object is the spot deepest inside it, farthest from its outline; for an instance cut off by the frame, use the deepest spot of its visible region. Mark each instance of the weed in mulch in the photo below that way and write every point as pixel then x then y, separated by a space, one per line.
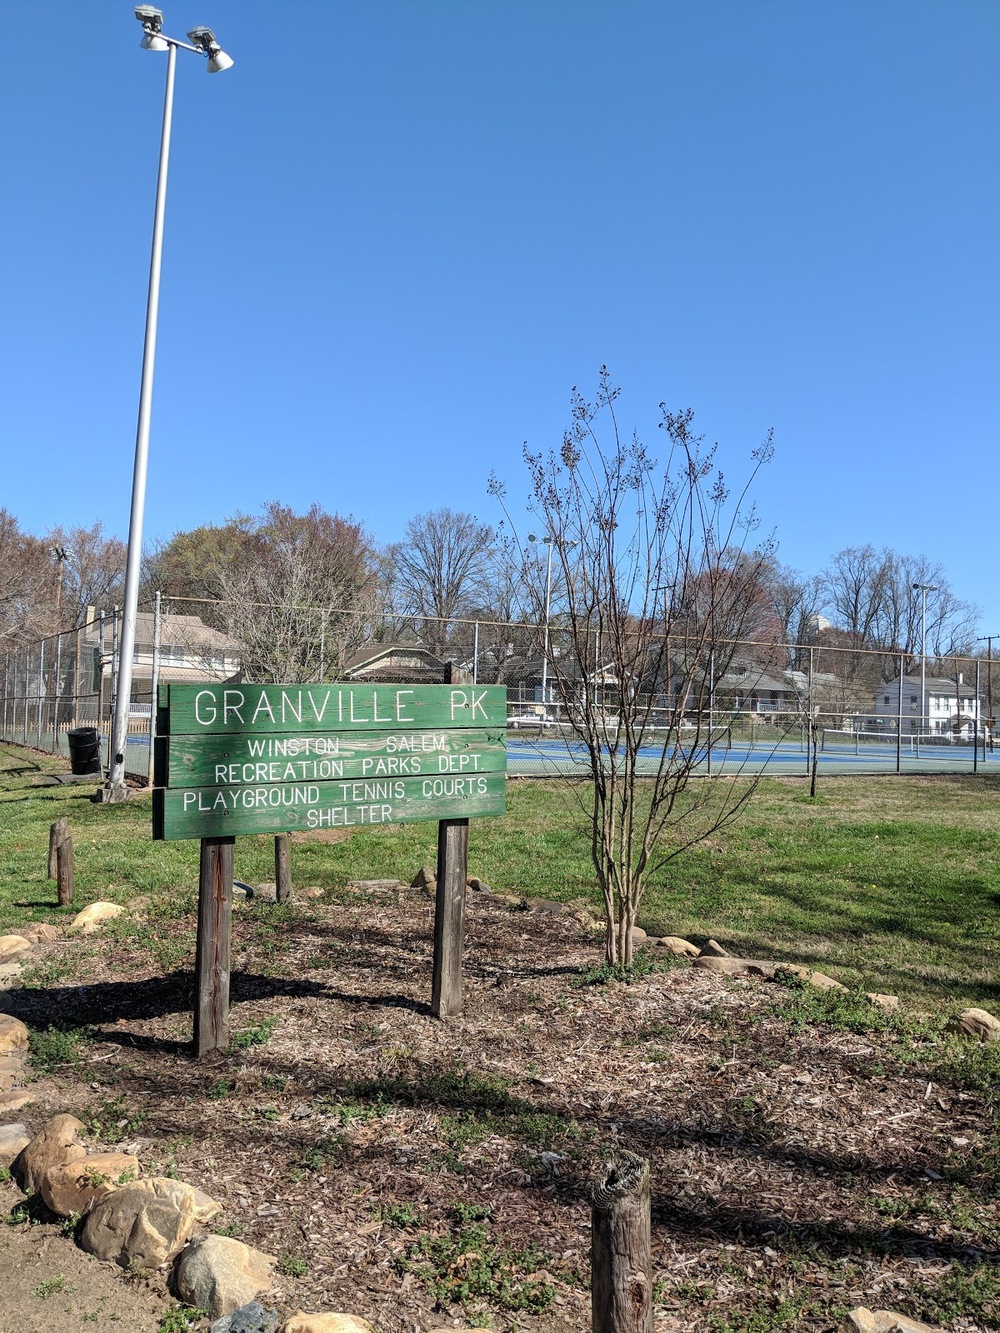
pixel 53 1048
pixel 464 1264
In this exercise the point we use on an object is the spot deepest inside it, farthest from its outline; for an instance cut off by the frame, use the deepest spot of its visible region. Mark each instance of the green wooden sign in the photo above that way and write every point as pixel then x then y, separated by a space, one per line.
pixel 239 759
pixel 196 710
pixel 222 812
pixel 234 759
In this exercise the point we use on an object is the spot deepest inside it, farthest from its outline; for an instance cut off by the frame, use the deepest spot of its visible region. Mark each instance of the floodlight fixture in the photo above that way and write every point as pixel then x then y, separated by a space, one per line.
pixel 204 40
pixel 151 19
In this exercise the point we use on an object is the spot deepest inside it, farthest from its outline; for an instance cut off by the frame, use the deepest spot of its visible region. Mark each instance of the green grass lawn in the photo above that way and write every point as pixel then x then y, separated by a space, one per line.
pixel 890 883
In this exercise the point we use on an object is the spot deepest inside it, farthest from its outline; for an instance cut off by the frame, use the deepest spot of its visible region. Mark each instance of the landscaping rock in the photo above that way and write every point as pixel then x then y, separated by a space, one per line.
pixel 180 1195
pixel 93 917
pixel 15 1101
pixel 883 1001
pixel 13 1035
pixel 674 944
pixel 41 932
pixel 978 1023
pixel 327 1323
pixel 220 1274
pixel 54 1144
pixel 369 885
pixel 818 979
pixel 252 1318
pixel 75 1186
pixel 863 1320
pixel 541 906
pixel 11 1072
pixel 478 885
pixel 314 891
pixel 639 936
pixel 13 1139
pixel 714 950
pixel 135 1229
pixel 13 946
pixel 424 876
pixel 8 971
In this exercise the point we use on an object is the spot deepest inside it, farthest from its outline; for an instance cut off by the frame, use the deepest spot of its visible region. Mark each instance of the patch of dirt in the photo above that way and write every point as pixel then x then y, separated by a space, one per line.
pixel 48 1285
pixel 396 1164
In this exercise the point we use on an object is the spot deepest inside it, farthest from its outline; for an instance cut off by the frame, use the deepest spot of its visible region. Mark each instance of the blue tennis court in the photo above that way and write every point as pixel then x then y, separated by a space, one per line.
pixel 550 756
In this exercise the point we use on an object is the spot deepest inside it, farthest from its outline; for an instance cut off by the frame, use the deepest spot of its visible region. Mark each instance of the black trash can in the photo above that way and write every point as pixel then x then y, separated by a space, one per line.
pixel 84 750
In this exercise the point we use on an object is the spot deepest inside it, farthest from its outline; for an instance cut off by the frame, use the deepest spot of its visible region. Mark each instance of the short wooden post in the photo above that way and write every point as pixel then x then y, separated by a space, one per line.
pixel 621 1270
pixel 65 880
pixel 449 916
pixel 283 868
pixel 215 914
pixel 57 832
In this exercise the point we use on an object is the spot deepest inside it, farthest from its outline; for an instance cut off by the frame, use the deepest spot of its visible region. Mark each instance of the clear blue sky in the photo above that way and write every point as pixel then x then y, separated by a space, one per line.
pixel 399 231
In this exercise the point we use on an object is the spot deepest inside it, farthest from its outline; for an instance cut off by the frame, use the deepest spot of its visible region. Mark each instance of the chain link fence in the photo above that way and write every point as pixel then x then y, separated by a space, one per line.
pixel 767 706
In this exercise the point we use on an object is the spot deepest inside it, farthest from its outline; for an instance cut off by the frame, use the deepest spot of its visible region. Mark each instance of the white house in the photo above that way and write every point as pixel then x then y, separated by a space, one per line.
pixel 951 707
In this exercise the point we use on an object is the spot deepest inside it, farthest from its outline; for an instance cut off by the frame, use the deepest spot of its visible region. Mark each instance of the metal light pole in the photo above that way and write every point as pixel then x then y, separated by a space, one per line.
pixel 549 542
pixel 564 545
pixel 988 640
pixel 923 589
pixel 203 43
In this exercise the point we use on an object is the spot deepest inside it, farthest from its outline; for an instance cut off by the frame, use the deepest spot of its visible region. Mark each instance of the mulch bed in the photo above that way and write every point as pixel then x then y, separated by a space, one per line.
pixel 394 1162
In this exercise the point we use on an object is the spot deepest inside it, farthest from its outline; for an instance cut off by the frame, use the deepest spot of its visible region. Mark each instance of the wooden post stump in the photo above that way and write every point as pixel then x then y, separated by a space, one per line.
pixel 215 916
pixel 57 832
pixel 449 916
pixel 65 875
pixel 621 1270
pixel 282 868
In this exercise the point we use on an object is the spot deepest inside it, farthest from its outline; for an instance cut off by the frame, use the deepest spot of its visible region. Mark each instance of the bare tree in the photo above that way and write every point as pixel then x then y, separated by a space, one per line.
pixel 299 594
pixel 28 585
pixel 440 570
pixel 656 564
pixel 797 601
pixel 874 599
pixel 91 571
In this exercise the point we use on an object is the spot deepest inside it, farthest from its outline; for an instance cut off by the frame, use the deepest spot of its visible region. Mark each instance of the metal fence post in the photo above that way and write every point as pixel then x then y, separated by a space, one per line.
pixel 154 685
pixel 58 696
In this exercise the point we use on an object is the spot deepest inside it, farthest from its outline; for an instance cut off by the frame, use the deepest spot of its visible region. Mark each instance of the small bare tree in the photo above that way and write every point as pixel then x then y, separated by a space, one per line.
pixel 659 581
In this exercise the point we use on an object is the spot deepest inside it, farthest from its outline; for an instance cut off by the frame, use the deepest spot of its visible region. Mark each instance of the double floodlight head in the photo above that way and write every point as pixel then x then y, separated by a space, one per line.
pixel 202 39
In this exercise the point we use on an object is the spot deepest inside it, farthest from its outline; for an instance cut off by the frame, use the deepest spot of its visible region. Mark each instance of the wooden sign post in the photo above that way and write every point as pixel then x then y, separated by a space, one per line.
pixel 244 759
pixel 211 973
pixel 449 917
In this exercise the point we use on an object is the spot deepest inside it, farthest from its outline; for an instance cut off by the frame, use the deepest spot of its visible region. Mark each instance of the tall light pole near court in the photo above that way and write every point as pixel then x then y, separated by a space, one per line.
pixel 923 589
pixel 202 42
pixel 550 542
